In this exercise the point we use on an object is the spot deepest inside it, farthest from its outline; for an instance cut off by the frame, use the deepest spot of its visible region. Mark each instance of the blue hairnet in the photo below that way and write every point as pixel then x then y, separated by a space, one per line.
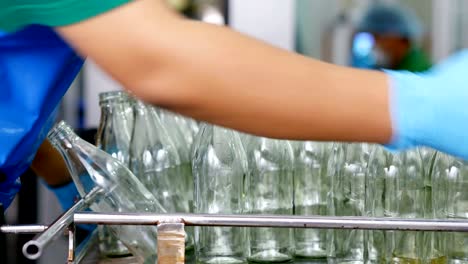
pixel 391 19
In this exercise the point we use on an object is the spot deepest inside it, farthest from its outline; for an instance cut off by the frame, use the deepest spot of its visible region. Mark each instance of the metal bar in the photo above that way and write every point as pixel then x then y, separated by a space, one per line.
pixel 277 221
pixel 33 249
pixel 23 229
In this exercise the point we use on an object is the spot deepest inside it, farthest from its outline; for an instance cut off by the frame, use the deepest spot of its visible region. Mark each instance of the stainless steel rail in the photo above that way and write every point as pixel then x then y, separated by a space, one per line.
pixel 276 221
pixel 33 248
pixel 23 229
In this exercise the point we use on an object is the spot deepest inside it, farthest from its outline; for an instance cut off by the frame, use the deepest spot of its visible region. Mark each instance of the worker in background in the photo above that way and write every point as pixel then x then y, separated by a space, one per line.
pixel 214 74
pixel 389 37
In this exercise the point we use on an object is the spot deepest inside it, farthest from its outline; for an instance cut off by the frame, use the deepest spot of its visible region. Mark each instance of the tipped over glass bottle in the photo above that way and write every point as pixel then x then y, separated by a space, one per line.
pixel 270 191
pixel 91 167
pixel 219 169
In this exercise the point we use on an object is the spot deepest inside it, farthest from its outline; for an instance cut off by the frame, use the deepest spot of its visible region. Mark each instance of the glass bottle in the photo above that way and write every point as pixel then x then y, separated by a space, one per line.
pixel 311 189
pixel 91 167
pixel 219 169
pixel 155 161
pixel 434 250
pixel 409 195
pixel 380 162
pixel 348 172
pixel 114 135
pixel 451 182
pixel 181 135
pixel 270 191
pixel 116 125
pixel 182 139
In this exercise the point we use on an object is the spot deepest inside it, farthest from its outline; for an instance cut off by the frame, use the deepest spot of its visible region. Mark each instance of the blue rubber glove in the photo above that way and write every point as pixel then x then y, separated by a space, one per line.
pixel 431 109
pixel 36 69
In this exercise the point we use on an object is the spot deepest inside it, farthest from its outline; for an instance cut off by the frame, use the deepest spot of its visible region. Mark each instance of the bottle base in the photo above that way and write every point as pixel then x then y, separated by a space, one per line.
pixel 221 260
pixel 310 253
pixel 270 256
pixel 458 261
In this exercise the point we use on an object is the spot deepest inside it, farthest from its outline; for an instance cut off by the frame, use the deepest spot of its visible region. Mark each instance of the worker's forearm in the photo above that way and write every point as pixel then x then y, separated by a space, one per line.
pixel 242 83
pixel 218 75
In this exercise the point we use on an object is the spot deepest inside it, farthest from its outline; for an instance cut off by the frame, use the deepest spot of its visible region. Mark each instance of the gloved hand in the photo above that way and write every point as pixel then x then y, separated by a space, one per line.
pixel 431 109
pixel 36 69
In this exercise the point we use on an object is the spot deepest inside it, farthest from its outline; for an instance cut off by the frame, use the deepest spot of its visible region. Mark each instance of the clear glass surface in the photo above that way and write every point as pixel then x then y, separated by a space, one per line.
pixel 409 194
pixel 219 169
pixel 270 191
pixel 116 125
pixel 379 162
pixel 114 135
pixel 155 160
pixel 91 167
pixel 451 183
pixel 348 169
pixel 311 190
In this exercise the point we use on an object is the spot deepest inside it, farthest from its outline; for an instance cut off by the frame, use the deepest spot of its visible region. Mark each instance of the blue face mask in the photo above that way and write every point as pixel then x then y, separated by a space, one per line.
pixel 36 69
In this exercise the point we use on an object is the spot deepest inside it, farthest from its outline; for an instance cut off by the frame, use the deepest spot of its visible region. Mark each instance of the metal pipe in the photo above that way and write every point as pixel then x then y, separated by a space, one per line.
pixel 277 221
pixel 33 248
pixel 23 229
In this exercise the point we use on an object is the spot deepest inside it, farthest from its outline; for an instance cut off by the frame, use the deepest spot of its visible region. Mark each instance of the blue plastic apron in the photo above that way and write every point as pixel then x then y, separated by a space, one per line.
pixel 36 69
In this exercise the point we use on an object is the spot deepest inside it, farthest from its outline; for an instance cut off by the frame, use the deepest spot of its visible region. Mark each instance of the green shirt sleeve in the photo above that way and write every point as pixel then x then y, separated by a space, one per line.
pixel 15 14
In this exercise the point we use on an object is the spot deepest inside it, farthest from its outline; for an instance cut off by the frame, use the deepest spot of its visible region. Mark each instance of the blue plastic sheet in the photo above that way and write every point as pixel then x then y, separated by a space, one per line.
pixel 36 69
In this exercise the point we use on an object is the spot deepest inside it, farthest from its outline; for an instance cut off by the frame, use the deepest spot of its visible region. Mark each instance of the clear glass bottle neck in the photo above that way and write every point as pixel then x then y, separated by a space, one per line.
pixel 115 102
pixel 62 135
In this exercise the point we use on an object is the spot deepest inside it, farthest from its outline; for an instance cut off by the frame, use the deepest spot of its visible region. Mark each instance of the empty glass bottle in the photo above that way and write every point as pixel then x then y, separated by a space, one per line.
pixel 155 161
pixel 270 191
pixel 434 250
pixel 91 167
pixel 409 195
pixel 404 181
pixel 219 169
pixel 451 183
pixel 116 124
pixel 348 173
pixel 379 163
pixel 311 189
pixel 181 138
pixel 181 135
pixel 114 135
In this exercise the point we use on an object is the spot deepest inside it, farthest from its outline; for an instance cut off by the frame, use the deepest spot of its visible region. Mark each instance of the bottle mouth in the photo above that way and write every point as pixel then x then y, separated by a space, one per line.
pixel 59 132
pixel 113 96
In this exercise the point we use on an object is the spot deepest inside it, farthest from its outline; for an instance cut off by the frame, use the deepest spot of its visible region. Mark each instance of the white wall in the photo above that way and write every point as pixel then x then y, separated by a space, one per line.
pixel 272 21
pixel 95 81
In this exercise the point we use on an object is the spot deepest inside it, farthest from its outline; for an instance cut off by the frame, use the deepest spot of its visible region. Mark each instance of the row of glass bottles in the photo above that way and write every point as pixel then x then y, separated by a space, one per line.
pixel 135 136
pixel 328 179
pixel 265 176
pixel 155 145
